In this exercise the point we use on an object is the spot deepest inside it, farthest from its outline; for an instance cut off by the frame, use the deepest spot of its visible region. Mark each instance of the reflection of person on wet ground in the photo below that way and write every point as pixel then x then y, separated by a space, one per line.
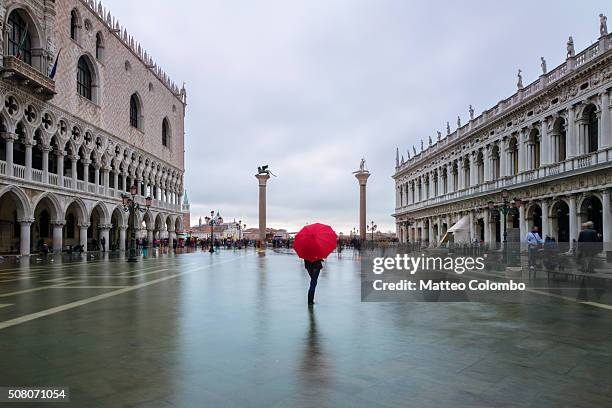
pixel 551 251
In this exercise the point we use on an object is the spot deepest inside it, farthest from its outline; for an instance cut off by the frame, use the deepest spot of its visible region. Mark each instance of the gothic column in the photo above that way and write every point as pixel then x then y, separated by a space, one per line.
pixel 85 172
pixel 58 228
pixel 262 179
pixel 96 176
pixel 105 179
pixel 83 235
pixel 10 137
pixel 104 233
pixel 122 229
pixel 24 240
pixel 73 170
pixel 573 220
pixel 545 220
pixel 60 167
pixel 171 236
pixel 116 182
pixel 28 160
pixel 606 220
pixel 430 234
pixel 45 164
pixel 605 140
pixel 449 178
pixel 432 185
pixel 150 236
pixel 441 181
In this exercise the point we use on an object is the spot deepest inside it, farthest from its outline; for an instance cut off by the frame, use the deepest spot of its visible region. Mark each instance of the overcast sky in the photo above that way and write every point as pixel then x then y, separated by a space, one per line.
pixel 311 86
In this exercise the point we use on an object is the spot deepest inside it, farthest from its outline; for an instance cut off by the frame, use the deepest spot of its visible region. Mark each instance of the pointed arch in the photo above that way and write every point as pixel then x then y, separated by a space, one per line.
pixel 24 208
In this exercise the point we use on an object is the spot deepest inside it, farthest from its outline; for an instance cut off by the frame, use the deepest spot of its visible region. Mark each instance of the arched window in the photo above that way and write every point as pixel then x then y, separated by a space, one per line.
pixel 592 134
pixel 84 79
pixel 513 156
pixel 74 25
pixel 165 132
pixel 135 112
pixel 19 40
pixel 99 46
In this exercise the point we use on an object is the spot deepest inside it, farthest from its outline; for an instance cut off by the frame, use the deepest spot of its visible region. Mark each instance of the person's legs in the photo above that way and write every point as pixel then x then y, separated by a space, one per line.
pixel 314 276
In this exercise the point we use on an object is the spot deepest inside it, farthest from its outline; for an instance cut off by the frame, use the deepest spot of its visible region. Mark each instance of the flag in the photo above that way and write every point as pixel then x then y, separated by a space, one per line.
pixel 54 69
pixel 22 42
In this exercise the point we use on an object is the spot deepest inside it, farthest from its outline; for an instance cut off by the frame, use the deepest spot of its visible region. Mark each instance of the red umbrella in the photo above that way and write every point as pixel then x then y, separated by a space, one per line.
pixel 315 241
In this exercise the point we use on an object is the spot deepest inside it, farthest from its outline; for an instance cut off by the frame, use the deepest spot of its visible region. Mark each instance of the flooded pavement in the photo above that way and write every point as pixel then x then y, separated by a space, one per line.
pixel 233 329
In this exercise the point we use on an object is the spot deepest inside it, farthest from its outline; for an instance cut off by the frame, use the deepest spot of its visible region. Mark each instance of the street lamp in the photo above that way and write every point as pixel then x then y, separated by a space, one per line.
pixel 130 205
pixel 372 227
pixel 212 221
pixel 505 208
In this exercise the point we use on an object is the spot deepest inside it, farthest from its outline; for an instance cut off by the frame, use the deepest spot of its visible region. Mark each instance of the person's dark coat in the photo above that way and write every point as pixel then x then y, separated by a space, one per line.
pixel 588 243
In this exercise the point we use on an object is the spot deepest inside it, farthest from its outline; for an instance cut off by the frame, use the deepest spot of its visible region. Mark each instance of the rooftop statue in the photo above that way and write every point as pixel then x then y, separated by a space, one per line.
pixel 519 82
pixel 543 65
pixel 570 47
pixel 447 128
pixel 471 110
pixel 458 121
pixel 603 25
pixel 439 135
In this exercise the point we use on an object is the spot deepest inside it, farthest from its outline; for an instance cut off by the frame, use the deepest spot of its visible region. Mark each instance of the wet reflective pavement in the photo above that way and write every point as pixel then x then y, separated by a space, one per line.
pixel 233 329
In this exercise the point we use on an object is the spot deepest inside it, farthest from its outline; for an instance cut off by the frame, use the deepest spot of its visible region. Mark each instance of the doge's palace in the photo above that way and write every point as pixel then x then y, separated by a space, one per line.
pixel 85 114
pixel 544 153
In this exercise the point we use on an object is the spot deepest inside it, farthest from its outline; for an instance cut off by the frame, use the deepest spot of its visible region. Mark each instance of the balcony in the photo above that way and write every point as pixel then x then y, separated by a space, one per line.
pixel 27 75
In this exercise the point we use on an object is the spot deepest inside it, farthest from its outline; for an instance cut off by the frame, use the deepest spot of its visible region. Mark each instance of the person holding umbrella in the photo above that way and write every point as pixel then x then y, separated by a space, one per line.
pixel 314 243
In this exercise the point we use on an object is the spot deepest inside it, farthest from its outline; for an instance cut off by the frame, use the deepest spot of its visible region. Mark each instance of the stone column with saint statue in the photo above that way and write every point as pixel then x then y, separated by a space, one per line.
pixel 362 176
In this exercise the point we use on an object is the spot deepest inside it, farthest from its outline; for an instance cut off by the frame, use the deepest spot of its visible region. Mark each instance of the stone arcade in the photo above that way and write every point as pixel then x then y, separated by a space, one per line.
pixel 549 145
pixel 84 114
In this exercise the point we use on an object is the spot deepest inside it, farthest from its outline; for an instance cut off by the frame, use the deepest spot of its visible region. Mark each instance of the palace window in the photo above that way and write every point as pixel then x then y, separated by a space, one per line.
pixel 74 25
pixel 84 79
pixel 19 40
pixel 99 46
pixel 135 108
pixel 165 132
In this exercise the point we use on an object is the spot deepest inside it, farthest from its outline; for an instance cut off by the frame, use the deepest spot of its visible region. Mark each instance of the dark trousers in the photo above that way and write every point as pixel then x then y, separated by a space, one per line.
pixel 314 276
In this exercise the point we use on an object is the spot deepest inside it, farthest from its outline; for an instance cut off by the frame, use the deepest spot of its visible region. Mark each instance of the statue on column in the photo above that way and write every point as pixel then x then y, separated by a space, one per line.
pixel 543 65
pixel 471 110
pixel 519 83
pixel 603 25
pixel 570 47
pixel 362 165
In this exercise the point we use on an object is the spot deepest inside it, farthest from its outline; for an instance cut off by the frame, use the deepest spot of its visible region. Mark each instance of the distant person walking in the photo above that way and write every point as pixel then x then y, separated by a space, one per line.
pixel 103 243
pixel 533 246
pixel 313 268
pixel 588 246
